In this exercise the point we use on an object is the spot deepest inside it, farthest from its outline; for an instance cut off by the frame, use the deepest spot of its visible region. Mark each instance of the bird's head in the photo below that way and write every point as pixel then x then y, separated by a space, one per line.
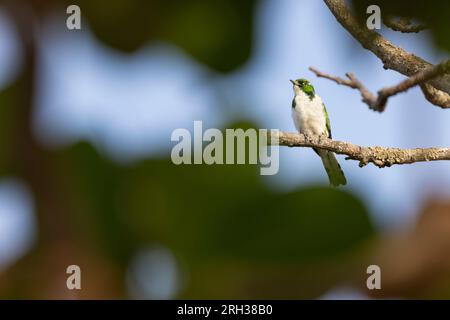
pixel 303 85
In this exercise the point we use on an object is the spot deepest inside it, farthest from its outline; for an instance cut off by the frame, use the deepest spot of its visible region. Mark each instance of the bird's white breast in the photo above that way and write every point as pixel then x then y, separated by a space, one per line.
pixel 308 115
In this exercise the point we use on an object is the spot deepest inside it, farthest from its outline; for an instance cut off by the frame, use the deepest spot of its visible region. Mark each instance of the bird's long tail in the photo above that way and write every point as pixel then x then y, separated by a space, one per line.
pixel 331 165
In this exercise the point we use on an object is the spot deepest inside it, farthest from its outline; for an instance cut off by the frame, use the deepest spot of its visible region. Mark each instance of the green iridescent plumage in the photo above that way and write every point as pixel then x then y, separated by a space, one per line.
pixel 306 87
pixel 328 121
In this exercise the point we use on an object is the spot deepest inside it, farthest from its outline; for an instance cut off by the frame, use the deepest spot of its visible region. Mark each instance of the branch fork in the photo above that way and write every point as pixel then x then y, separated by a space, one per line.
pixel 433 80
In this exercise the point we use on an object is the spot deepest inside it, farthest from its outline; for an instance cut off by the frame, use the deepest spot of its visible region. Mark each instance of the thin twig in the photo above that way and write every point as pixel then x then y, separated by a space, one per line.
pixel 378 102
pixel 379 156
pixel 392 56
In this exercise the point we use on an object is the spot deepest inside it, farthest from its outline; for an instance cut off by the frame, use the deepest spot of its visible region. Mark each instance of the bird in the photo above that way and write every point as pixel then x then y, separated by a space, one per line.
pixel 311 119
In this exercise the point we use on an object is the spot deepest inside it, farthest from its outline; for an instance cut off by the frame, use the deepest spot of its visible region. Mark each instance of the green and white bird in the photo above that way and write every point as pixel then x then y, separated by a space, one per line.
pixel 311 118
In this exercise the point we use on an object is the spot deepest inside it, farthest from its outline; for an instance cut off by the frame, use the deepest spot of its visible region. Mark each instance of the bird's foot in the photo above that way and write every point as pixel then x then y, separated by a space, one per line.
pixel 307 136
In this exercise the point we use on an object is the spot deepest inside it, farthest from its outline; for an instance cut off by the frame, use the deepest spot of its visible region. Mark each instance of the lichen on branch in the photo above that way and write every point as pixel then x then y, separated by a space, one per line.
pixel 379 156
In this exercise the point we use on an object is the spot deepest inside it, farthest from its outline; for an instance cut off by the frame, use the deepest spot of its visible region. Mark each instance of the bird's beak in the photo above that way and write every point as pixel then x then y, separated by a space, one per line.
pixel 293 82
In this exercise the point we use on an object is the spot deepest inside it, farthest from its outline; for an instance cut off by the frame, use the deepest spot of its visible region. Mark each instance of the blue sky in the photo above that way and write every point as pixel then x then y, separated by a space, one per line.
pixel 129 105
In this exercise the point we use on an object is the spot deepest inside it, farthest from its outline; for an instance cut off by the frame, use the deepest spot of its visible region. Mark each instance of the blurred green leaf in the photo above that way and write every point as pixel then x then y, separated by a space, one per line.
pixel 216 33
pixel 221 221
pixel 224 222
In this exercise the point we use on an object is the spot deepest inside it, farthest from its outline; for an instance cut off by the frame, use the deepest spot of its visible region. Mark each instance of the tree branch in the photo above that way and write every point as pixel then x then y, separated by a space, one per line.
pixel 403 25
pixel 378 103
pixel 437 97
pixel 393 57
pixel 379 156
